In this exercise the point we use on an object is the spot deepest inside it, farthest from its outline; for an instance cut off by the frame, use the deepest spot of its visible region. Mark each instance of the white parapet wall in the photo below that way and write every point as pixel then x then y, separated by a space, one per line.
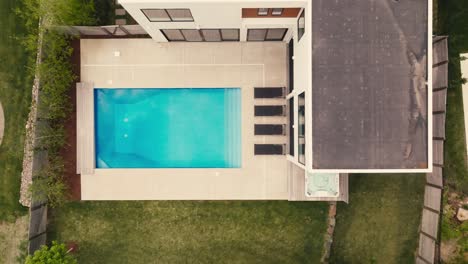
pixel 227 14
pixel 464 70
pixel 210 14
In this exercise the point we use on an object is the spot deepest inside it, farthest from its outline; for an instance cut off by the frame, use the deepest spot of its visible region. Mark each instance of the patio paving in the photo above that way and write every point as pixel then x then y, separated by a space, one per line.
pixel 144 63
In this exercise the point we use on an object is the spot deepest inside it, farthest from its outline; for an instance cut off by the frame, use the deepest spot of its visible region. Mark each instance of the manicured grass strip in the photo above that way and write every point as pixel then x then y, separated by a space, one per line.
pixel 193 232
pixel 15 95
pixel 380 224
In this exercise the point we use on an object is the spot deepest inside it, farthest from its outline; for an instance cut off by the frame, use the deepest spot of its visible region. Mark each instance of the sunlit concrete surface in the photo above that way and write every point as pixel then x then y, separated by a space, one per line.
pixel 143 63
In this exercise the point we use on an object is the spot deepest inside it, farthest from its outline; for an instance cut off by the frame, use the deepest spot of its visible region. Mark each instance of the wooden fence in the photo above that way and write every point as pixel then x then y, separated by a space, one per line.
pixel 37 227
pixel 38 210
pixel 429 247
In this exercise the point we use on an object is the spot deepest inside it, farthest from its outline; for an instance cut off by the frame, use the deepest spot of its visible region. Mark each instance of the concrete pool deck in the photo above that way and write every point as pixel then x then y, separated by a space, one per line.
pixel 143 63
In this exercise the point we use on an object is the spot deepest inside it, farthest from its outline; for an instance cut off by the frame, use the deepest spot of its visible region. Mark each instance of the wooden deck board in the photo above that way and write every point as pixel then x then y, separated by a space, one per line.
pixel 432 197
pixel 439 126
pixel 439 51
pixel 438 152
pixel 439 76
pixel 426 248
pixel 430 222
pixel 435 178
pixel 439 101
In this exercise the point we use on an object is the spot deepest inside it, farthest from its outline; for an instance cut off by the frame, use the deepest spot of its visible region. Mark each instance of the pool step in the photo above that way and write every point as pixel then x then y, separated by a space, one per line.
pixel 233 131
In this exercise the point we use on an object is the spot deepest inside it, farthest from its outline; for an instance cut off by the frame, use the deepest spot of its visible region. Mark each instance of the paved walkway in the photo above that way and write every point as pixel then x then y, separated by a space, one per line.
pixel 2 123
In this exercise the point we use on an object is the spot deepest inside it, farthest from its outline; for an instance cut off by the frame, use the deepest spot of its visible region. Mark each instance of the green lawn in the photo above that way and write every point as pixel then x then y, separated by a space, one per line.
pixel 15 95
pixel 380 223
pixel 193 232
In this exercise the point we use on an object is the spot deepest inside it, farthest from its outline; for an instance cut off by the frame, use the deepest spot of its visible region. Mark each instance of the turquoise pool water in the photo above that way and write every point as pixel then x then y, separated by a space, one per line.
pixel 168 128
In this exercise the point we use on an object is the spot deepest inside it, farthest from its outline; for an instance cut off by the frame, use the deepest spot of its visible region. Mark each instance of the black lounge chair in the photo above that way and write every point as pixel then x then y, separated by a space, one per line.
pixel 269 149
pixel 269 110
pixel 261 129
pixel 269 92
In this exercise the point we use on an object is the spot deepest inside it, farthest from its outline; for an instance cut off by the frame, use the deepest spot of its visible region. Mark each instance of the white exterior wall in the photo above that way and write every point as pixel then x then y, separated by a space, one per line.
pixel 210 14
pixel 214 14
pixel 303 83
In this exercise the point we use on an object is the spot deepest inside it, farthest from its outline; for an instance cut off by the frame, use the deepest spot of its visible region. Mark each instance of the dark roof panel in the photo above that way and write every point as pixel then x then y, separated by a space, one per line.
pixel 369 99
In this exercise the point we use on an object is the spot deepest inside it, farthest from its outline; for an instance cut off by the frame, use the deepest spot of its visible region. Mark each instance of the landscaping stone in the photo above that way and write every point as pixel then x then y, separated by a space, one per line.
pixel 462 214
pixel 28 158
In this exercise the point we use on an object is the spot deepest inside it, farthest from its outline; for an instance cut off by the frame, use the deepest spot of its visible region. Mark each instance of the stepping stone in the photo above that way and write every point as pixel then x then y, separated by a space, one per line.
pixel 462 214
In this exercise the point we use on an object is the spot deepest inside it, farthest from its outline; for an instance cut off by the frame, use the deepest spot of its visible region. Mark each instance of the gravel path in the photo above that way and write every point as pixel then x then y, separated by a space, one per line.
pixel 26 174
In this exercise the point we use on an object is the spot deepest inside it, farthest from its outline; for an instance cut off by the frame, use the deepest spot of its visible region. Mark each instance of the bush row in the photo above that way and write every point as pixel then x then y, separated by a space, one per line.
pixel 56 77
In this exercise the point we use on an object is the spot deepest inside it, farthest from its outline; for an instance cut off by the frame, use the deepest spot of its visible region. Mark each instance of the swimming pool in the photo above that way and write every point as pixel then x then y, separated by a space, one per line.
pixel 168 128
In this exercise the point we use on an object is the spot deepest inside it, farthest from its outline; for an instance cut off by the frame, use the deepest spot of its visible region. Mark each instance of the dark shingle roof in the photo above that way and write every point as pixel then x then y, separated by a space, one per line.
pixel 369 99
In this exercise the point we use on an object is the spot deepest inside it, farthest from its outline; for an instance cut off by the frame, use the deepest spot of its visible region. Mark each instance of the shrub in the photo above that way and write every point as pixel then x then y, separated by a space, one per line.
pixel 56 77
pixel 55 254
pixel 49 185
